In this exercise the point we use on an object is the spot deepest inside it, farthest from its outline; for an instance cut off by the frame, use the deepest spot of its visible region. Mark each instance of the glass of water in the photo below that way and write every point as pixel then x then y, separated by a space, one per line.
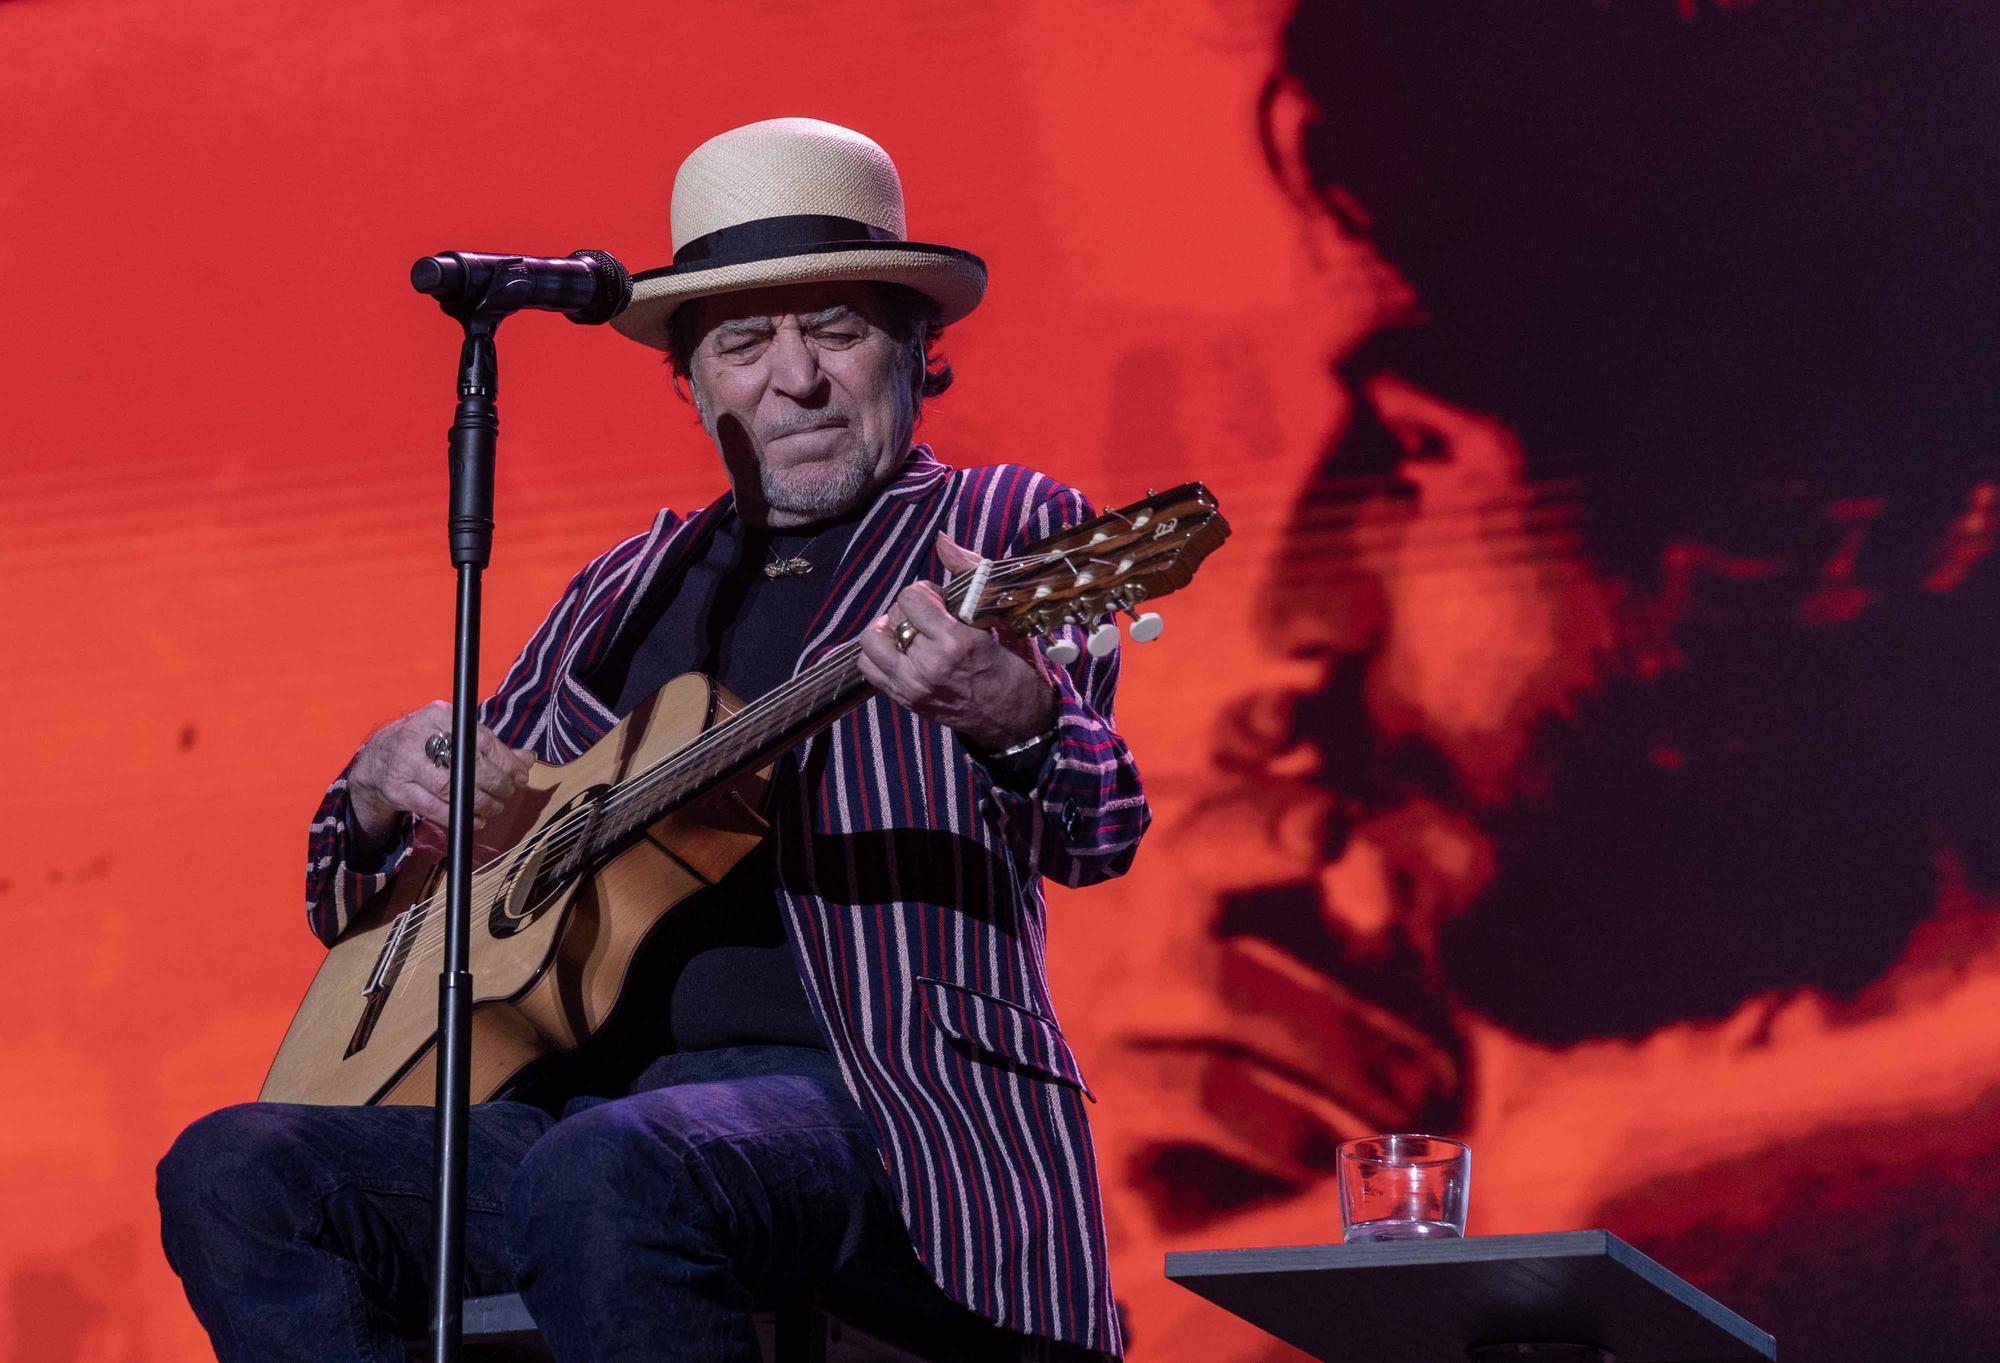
pixel 1403 1188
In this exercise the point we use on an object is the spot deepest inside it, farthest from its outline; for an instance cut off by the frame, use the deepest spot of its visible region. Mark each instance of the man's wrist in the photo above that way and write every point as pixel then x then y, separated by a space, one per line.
pixel 368 849
pixel 1038 728
pixel 1018 765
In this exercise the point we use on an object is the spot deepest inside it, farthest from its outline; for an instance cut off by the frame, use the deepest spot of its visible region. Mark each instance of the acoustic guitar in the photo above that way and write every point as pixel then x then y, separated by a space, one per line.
pixel 591 856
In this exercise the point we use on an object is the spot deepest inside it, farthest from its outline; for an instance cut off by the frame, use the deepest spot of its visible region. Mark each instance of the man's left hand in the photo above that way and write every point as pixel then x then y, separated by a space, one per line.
pixel 993 694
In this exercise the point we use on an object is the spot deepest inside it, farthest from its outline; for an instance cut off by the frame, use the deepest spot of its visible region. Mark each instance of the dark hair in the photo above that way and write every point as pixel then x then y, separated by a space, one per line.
pixel 909 316
pixel 1692 252
pixel 1681 247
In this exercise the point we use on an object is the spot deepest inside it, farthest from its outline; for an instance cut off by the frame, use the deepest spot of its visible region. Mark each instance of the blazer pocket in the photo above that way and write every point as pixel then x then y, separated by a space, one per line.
pixel 997 1029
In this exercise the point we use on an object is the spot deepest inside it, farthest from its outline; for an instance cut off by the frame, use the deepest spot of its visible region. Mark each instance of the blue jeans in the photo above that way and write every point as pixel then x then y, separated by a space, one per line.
pixel 643 1227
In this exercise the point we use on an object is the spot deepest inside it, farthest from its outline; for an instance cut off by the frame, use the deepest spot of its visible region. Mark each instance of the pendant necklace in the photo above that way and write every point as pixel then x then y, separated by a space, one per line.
pixel 791 561
pixel 796 566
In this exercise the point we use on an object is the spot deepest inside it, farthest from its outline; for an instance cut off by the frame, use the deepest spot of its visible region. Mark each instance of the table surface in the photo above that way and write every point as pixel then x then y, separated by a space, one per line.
pixel 1429 1301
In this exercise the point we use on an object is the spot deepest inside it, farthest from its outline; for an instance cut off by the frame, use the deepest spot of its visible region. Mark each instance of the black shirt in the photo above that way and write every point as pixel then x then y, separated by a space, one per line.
pixel 719 972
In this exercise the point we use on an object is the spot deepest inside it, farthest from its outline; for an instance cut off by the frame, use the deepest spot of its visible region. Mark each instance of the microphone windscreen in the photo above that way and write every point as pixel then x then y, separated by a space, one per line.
pixel 431 275
pixel 614 288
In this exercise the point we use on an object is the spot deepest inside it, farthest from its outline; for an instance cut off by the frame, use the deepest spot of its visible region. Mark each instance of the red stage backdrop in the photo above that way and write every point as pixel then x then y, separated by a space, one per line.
pixel 1585 746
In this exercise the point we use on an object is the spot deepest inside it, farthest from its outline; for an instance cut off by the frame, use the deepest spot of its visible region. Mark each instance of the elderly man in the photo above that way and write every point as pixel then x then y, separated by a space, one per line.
pixel 836 1071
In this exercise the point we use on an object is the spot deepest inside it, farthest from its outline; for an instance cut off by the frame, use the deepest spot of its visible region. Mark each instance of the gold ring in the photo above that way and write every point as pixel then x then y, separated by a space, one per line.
pixel 906 634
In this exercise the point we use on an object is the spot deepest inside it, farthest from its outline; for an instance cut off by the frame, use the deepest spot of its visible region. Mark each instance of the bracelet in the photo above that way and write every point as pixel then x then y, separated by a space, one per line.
pixel 1028 744
pixel 1036 741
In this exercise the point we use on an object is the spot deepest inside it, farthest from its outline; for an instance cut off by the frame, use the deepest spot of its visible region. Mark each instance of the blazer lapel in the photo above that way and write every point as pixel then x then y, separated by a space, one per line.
pixel 890 548
pixel 662 560
pixel 668 557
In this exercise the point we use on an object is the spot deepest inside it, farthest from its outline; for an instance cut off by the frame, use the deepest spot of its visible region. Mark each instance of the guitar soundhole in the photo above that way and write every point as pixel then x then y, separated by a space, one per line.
pixel 543 867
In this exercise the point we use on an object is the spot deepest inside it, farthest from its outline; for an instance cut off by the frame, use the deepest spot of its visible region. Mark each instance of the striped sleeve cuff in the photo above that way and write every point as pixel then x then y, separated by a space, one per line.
pixel 335 890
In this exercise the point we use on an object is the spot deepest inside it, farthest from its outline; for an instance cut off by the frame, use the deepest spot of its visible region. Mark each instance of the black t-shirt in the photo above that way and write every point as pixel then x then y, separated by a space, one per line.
pixel 719 972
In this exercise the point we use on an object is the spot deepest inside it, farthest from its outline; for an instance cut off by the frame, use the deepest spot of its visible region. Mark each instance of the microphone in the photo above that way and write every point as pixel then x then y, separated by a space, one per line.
pixel 586 287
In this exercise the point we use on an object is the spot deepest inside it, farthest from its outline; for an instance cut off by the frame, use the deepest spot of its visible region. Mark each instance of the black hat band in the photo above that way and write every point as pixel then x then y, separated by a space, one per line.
pixel 769 238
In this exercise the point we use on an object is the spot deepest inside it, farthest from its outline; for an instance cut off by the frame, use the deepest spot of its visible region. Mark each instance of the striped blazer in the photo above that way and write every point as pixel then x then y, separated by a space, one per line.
pixel 912 888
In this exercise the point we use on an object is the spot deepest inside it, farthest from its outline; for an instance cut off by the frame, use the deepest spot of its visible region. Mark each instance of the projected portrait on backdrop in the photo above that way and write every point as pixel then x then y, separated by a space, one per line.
pixel 1644 599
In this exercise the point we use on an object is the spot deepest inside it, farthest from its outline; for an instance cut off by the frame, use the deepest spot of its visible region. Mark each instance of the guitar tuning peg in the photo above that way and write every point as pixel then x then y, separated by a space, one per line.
pixel 1103 639
pixel 1063 652
pixel 1147 627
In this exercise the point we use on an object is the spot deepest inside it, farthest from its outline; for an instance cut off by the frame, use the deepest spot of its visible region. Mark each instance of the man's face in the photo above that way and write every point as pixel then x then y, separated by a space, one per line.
pixel 808 395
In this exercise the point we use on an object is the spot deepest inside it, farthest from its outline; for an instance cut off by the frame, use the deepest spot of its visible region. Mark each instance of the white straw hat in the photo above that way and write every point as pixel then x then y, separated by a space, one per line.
pixel 792 201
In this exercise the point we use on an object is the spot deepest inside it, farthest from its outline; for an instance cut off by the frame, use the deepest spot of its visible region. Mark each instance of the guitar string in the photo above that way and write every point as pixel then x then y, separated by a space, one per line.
pixel 1005 573
pixel 424 941
pixel 674 767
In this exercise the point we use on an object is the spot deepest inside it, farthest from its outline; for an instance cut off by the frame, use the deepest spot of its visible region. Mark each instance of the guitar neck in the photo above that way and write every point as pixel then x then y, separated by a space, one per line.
pixel 1070 579
pixel 753 737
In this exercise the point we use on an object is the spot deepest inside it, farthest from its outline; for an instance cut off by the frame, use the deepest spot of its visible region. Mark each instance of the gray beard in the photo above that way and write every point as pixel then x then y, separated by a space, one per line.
pixel 817 491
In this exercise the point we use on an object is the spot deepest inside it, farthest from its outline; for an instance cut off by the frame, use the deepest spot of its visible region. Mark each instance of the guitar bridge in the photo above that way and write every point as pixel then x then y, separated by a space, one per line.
pixel 380 980
pixel 379 977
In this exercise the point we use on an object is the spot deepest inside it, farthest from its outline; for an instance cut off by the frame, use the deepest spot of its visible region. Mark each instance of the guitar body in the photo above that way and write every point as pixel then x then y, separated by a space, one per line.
pixel 549 952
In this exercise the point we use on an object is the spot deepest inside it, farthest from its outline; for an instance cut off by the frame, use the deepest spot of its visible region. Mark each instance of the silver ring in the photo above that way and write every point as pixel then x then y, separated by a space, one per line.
pixel 906 634
pixel 438 748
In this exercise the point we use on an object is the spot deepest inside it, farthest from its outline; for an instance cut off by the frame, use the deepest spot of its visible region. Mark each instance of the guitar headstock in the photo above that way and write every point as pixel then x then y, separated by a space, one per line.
pixel 1089 574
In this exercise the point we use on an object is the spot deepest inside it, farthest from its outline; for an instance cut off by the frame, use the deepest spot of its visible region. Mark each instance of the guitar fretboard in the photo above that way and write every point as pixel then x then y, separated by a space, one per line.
pixel 752 737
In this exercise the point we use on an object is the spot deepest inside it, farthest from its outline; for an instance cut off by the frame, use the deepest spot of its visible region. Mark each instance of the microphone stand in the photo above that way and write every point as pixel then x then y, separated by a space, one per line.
pixel 479 291
pixel 475 429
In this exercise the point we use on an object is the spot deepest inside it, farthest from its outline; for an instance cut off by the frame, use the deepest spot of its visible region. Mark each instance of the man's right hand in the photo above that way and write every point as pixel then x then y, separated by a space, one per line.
pixel 392 775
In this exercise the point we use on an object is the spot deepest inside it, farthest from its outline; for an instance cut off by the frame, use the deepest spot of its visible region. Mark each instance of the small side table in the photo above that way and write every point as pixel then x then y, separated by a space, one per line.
pixel 1572 1297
